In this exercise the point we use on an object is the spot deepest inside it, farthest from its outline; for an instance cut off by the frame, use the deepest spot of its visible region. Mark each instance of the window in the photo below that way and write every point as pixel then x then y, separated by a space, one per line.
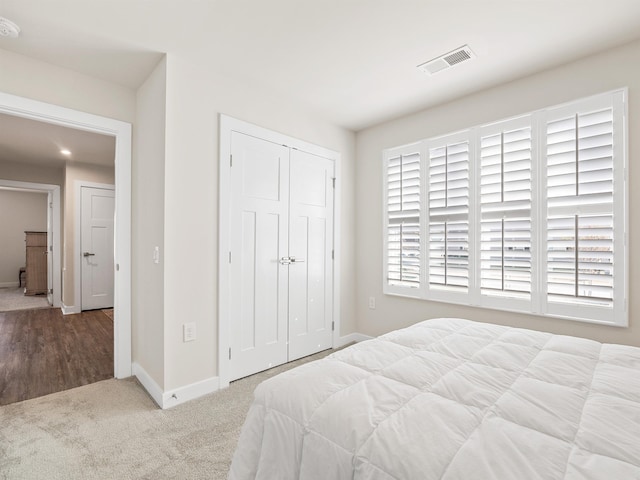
pixel 505 152
pixel 527 214
pixel 449 213
pixel 403 219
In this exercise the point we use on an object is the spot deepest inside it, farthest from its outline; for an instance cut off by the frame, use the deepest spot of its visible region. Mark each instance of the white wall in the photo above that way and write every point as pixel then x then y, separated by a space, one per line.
pixel 606 71
pixel 42 81
pixel 19 212
pixel 89 173
pixel 31 173
pixel 195 98
pixel 148 226
pixel 52 84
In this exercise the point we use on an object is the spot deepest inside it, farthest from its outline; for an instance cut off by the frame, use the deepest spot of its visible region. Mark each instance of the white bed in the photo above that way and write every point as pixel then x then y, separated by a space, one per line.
pixel 450 399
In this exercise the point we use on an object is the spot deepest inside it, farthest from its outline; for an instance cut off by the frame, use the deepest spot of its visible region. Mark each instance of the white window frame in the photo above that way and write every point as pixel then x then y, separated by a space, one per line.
pixel 615 315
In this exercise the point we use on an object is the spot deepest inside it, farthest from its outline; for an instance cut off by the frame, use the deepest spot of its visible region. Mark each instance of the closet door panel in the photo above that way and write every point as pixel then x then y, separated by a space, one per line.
pixel 258 238
pixel 310 245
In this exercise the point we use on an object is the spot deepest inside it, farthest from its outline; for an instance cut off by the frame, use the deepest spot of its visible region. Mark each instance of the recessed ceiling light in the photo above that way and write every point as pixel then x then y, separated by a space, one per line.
pixel 64 151
pixel 8 28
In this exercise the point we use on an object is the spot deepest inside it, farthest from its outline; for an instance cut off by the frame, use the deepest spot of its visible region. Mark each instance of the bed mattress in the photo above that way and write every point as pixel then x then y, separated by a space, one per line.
pixel 450 399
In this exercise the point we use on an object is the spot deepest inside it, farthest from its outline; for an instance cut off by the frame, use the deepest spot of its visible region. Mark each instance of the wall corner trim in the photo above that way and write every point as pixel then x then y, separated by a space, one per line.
pixel 149 384
pixel 69 309
pixel 174 397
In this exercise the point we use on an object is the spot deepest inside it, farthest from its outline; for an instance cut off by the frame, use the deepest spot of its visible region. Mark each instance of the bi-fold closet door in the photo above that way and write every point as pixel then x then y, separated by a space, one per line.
pixel 281 270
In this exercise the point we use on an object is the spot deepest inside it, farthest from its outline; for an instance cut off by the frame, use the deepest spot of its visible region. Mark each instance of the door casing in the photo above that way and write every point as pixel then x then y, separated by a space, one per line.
pixel 227 125
pixel 54 229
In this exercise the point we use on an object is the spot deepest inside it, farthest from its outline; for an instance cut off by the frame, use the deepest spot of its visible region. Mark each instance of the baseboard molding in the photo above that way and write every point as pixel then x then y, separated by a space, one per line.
pixel 351 338
pixel 180 395
pixel 148 383
pixel 69 309
pixel 9 284
pixel 174 397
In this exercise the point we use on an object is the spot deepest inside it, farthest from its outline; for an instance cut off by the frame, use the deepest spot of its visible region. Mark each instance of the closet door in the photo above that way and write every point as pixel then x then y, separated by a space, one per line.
pixel 259 240
pixel 310 251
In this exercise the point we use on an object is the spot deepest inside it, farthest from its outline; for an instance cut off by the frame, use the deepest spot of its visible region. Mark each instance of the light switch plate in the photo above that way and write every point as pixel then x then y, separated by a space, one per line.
pixel 189 332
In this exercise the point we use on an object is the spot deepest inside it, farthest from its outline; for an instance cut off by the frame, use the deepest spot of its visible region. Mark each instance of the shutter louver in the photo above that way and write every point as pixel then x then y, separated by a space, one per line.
pixel 505 198
pixel 449 216
pixel 580 238
pixel 403 211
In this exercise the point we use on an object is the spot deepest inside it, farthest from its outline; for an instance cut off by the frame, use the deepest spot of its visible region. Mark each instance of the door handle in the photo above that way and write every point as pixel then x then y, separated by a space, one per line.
pixel 87 254
pixel 290 260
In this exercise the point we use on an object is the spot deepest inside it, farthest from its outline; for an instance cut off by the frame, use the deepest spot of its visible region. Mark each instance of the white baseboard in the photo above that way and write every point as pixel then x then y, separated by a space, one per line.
pixel 148 383
pixel 352 337
pixel 69 309
pixel 176 396
pixel 9 284
pixel 190 392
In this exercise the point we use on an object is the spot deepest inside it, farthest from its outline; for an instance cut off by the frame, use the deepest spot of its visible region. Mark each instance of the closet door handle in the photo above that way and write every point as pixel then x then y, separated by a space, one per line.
pixel 290 260
pixel 87 254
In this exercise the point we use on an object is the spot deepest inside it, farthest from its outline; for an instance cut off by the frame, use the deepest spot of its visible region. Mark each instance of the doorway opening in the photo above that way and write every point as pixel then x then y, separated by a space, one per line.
pixel 121 132
pixel 30 245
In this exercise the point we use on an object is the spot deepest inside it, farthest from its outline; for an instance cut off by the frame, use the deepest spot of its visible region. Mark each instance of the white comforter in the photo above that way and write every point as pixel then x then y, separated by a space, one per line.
pixel 450 399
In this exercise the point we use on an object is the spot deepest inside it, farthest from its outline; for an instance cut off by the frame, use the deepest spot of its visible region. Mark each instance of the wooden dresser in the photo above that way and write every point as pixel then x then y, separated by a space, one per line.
pixel 36 277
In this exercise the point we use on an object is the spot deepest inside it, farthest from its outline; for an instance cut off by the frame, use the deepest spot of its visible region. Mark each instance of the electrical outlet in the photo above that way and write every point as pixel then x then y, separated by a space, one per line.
pixel 189 332
pixel 372 303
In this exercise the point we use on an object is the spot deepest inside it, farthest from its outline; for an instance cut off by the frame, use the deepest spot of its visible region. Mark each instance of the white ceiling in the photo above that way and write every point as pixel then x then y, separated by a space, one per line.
pixel 28 141
pixel 351 61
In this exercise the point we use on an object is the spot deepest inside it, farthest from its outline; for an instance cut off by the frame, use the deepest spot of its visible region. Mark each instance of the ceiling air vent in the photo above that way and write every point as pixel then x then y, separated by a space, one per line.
pixel 447 60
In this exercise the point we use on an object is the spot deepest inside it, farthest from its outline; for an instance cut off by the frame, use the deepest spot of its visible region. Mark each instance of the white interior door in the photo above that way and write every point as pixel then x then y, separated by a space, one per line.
pixel 96 247
pixel 259 211
pixel 310 249
pixel 50 248
pixel 281 269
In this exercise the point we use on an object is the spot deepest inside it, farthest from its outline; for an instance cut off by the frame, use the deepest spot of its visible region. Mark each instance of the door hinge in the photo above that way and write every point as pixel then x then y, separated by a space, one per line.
pixel 333 326
pixel 51 248
pixel 51 291
pixel 50 204
pixel 229 353
pixel 333 254
pixel 231 160
pixel 229 257
pixel 334 182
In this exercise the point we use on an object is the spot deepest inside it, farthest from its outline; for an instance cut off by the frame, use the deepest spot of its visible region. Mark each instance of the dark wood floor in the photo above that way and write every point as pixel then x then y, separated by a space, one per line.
pixel 43 351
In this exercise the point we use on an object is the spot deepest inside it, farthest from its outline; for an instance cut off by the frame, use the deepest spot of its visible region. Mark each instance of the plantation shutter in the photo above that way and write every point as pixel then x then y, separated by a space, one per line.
pixel 403 220
pixel 527 214
pixel 448 228
pixel 505 209
pixel 580 208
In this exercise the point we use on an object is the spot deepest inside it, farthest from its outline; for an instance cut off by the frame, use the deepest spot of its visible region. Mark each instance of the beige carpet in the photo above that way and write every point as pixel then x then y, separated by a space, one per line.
pixel 113 430
pixel 14 299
